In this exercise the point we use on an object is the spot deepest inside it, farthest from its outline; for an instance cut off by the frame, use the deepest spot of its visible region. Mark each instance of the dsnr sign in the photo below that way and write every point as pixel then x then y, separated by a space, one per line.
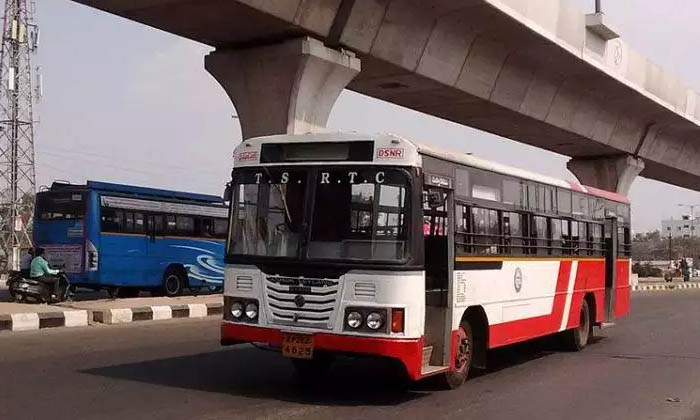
pixel 390 153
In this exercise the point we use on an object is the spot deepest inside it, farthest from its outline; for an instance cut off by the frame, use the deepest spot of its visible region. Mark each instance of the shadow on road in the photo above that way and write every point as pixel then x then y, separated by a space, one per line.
pixel 254 373
pixel 250 372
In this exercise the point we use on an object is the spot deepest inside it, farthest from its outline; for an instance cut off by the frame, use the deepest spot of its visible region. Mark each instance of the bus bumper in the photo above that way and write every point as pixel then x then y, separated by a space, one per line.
pixel 408 351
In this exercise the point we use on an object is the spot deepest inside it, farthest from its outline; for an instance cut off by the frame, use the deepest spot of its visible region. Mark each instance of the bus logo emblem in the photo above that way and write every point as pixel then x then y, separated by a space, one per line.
pixel 518 280
pixel 299 301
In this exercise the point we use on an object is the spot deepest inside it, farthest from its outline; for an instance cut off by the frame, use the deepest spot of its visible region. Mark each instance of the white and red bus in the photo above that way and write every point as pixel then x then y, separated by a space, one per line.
pixel 376 245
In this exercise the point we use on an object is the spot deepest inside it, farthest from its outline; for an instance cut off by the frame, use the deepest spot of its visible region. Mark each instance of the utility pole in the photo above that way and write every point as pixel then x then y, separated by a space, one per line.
pixel 20 38
pixel 692 230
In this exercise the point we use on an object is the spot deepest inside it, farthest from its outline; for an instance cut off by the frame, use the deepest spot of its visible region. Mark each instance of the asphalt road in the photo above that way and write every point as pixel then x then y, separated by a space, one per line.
pixel 176 370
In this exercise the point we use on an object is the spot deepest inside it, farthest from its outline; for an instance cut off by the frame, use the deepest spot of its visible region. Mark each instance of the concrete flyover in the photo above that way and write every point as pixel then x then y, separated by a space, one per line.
pixel 536 71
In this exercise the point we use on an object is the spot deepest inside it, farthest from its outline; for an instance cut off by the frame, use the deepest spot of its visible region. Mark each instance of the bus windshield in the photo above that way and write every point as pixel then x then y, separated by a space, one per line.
pixel 65 205
pixel 356 214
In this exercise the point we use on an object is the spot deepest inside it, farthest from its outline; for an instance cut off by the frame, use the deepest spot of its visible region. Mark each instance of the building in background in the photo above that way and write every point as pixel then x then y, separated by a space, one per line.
pixel 685 227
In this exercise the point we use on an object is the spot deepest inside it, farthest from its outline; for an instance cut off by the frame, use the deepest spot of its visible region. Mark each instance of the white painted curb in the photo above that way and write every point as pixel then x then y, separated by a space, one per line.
pixel 25 322
pixel 75 318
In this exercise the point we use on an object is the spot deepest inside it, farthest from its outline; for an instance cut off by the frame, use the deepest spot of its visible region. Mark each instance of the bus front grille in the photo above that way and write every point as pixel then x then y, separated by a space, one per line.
pixel 303 302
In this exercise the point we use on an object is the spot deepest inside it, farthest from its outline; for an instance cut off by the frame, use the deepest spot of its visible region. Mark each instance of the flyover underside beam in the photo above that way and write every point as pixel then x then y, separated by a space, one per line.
pixel 611 173
pixel 531 70
pixel 283 88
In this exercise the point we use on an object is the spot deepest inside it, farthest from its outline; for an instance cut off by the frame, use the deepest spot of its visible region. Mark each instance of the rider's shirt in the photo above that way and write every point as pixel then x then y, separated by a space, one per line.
pixel 40 267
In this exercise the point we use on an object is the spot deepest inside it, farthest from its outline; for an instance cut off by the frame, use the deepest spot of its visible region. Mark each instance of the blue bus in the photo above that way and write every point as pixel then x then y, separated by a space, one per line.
pixel 126 239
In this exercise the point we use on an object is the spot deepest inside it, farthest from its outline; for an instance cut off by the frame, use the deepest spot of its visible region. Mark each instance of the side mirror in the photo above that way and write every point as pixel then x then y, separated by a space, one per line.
pixel 228 194
pixel 435 199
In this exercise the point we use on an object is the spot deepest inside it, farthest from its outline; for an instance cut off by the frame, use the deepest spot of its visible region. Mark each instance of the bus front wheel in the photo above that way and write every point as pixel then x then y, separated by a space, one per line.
pixel 463 357
pixel 173 282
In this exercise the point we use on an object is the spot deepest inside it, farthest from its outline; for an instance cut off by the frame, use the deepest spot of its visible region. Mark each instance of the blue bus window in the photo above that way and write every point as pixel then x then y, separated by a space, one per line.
pixel 139 226
pixel 170 225
pixel 220 228
pixel 129 222
pixel 112 220
pixel 185 224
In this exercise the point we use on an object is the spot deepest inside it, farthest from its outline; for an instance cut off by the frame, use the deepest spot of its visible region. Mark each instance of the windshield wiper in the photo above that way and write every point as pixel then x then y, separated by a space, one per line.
pixel 288 219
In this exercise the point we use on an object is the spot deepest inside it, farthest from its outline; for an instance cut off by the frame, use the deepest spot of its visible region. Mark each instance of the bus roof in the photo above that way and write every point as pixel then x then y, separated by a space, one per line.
pixel 383 141
pixel 143 192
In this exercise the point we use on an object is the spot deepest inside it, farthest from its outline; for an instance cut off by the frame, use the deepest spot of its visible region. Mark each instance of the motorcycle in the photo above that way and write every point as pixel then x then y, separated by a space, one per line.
pixel 33 291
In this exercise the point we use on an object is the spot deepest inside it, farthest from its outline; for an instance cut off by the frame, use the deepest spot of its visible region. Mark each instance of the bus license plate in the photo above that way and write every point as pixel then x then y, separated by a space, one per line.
pixel 298 346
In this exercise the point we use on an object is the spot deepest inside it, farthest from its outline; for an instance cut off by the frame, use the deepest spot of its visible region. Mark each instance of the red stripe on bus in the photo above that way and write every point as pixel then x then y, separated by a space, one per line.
pixel 408 351
pixel 525 329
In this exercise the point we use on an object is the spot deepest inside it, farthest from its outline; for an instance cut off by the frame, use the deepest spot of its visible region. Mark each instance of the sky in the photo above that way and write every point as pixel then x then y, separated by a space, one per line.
pixel 130 104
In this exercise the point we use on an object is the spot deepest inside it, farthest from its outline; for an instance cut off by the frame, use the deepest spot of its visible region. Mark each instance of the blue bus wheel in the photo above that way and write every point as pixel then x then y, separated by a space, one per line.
pixel 173 282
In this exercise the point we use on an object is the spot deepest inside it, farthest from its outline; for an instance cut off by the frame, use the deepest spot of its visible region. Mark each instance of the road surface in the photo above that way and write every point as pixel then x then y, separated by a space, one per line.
pixel 176 370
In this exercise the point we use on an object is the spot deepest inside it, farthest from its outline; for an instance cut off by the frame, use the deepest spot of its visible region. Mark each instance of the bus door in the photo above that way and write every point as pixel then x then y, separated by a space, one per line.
pixel 438 235
pixel 611 238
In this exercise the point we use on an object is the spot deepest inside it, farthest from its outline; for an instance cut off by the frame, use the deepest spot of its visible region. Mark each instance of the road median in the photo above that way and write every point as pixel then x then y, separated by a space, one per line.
pixel 26 317
pixel 665 286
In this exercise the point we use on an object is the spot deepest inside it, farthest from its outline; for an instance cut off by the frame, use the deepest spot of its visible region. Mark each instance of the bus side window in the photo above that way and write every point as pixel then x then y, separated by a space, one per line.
pixel 158 220
pixel 513 233
pixel 566 245
pixel 596 235
pixel 154 224
pixel 129 226
pixel 139 224
pixel 574 239
pixel 462 235
pixel 185 225
pixel 170 225
pixel 486 229
pixel 556 235
pixel 220 228
pixel 583 239
pixel 112 220
pixel 538 233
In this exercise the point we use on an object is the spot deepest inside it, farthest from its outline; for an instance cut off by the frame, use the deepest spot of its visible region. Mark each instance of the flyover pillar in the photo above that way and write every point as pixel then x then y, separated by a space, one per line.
pixel 611 173
pixel 285 88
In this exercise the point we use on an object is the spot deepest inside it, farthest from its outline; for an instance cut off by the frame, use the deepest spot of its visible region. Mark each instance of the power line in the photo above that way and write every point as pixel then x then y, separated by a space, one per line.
pixel 111 158
pixel 121 167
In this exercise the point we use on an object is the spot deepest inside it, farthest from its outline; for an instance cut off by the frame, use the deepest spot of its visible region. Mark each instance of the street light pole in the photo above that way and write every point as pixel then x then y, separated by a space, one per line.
pixel 692 227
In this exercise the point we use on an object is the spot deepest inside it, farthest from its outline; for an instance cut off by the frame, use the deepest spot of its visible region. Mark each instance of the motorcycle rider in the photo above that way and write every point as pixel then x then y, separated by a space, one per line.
pixel 40 271
pixel 25 262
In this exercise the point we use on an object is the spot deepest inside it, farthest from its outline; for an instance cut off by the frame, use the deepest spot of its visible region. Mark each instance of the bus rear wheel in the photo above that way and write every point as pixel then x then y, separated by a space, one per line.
pixel 577 338
pixel 173 282
pixel 463 357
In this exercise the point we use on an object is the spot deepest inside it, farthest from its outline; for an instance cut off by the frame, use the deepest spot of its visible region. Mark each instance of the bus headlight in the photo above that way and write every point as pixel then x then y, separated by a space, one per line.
pixel 354 320
pixel 251 310
pixel 375 321
pixel 237 310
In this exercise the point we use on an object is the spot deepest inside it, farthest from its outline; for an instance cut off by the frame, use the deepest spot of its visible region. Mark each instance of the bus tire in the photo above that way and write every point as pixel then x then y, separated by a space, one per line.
pixel 174 281
pixel 576 339
pixel 463 357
